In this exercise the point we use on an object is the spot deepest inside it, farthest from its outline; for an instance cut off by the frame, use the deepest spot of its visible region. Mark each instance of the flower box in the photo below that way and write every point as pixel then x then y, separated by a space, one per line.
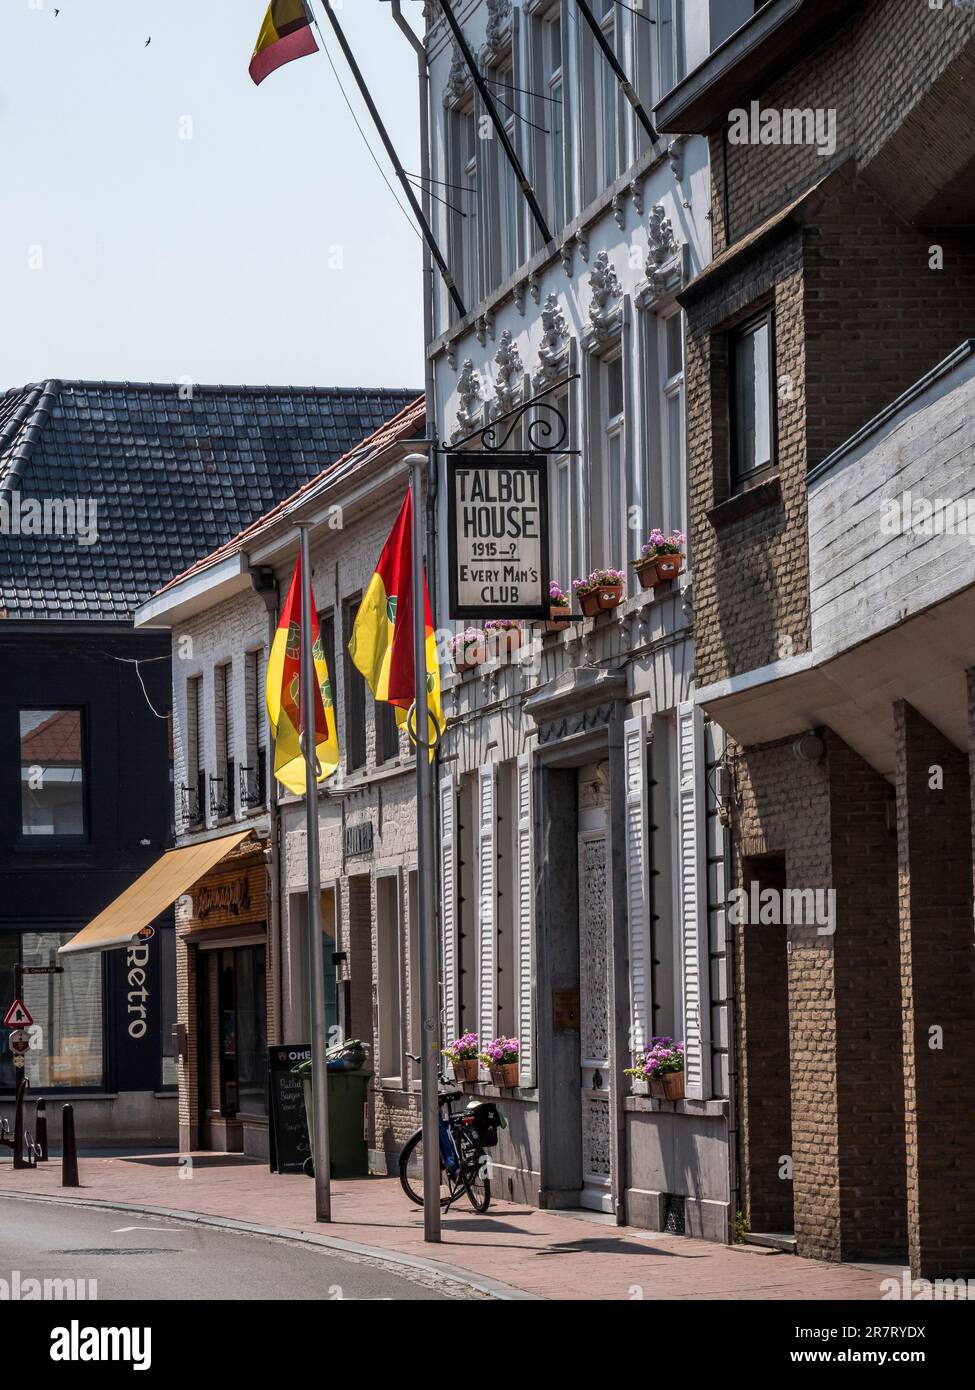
pixel 503 640
pixel 506 1075
pixel 467 1070
pixel 556 622
pixel 602 591
pixel 662 559
pixel 670 1086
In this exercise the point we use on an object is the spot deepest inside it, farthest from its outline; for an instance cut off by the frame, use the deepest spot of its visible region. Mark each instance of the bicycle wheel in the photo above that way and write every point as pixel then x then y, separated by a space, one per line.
pixel 411 1173
pixel 474 1173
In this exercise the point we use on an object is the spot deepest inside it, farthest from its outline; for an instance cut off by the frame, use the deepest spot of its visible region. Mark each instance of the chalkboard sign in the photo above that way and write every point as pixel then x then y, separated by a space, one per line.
pixel 288 1137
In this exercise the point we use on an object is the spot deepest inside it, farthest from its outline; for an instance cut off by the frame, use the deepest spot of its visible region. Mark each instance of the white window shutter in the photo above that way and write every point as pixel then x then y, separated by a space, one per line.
pixel 694 901
pixel 448 903
pixel 486 904
pixel 524 916
pixel 638 881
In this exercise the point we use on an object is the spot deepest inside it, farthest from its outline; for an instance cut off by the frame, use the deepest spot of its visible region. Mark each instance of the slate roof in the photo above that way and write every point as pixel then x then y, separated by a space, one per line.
pixel 171 479
pixel 409 423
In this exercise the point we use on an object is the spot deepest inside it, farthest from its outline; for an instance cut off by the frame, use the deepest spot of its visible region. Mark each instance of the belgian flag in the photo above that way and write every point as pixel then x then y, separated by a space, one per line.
pixel 283 697
pixel 382 638
pixel 285 34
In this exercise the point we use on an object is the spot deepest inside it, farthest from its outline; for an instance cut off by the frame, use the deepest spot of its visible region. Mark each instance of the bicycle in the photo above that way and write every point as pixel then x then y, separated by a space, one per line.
pixel 463 1162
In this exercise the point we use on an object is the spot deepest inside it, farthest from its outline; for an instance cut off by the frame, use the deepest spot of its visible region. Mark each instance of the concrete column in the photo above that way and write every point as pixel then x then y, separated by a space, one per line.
pixel 934 834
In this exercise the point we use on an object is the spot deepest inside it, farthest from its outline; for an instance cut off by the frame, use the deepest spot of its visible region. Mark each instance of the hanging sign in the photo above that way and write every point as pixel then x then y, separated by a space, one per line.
pixel 497 523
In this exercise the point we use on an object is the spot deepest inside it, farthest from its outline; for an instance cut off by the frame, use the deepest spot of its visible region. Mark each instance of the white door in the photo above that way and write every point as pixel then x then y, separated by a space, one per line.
pixel 594 1022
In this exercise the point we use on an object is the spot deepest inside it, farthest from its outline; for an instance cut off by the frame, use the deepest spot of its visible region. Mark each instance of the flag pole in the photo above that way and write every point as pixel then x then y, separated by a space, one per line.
pixel 316 951
pixel 429 951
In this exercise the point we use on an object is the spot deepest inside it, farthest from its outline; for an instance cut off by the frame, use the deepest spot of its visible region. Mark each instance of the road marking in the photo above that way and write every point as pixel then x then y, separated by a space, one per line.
pixel 120 1230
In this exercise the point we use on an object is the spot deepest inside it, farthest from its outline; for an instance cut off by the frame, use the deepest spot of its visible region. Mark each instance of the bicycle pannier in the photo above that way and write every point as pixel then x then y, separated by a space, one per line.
pixel 488 1119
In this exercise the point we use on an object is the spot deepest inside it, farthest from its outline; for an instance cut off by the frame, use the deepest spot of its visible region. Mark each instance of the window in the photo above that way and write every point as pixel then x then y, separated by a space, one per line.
pixel 463 197
pixel 506 1022
pixel 466 906
pixel 52 773
pixel 673 508
pixel 253 791
pixel 609 535
pixel 670 41
pixel 664 878
pixel 66 1039
pixel 508 196
pixel 355 695
pixel 560 505
pixel 552 117
pixel 222 785
pixel 602 152
pixel 387 732
pixel 390 981
pixel 195 785
pixel 752 415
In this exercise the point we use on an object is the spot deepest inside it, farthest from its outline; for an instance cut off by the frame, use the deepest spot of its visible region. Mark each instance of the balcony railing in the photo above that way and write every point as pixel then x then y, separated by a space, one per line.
pixel 253 789
pixel 191 812
pixel 222 794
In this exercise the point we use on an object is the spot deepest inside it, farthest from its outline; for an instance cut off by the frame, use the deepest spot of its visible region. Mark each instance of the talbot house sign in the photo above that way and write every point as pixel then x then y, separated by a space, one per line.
pixel 498 535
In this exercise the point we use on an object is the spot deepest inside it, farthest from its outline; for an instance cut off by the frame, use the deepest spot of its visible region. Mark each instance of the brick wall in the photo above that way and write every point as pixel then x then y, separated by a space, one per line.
pixel 751 573
pixel 934 835
pixel 873 72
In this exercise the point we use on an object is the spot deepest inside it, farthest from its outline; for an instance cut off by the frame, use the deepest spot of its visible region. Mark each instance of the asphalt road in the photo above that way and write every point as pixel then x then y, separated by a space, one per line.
pixel 142 1257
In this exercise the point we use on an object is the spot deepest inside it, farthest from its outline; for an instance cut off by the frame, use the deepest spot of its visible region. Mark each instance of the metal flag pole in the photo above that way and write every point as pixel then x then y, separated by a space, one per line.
pixel 316 953
pixel 426 858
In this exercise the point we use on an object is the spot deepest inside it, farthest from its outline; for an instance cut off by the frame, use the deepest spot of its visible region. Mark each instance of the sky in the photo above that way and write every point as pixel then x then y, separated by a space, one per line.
pixel 162 218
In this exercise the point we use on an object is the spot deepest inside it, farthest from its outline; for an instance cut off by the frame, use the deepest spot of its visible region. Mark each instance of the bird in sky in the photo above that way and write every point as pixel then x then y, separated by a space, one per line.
pixel 147 42
pixel 56 13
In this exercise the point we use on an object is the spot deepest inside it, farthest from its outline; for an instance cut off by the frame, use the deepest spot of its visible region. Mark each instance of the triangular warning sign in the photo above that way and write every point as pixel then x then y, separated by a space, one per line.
pixel 17 1016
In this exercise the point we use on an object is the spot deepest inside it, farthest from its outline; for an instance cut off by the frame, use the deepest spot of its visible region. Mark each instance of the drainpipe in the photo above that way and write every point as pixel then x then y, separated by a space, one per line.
pixel 429 383
pixel 265 586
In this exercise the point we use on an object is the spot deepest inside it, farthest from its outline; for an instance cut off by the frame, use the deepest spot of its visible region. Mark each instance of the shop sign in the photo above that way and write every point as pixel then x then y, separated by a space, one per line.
pixel 497 535
pixel 233 895
pixel 358 839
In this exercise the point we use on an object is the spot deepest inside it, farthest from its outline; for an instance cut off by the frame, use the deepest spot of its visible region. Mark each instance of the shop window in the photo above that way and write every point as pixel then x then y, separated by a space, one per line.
pixel 390 982
pixel 66 1038
pixel 751 358
pixel 52 774
pixel 355 695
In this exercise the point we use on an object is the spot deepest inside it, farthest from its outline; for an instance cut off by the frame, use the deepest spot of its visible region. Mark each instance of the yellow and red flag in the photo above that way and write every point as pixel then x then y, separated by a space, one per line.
pixel 285 34
pixel 382 638
pixel 283 697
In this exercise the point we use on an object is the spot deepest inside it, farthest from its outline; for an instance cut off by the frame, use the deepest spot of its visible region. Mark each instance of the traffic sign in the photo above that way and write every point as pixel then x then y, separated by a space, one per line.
pixel 17 1016
pixel 20 1040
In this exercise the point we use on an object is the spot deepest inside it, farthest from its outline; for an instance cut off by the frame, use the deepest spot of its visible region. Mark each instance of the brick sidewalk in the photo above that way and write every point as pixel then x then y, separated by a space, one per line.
pixel 544 1254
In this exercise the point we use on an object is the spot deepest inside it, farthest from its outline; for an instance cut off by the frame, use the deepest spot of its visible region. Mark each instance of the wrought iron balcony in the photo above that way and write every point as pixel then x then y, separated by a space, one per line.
pixel 222 794
pixel 253 791
pixel 190 809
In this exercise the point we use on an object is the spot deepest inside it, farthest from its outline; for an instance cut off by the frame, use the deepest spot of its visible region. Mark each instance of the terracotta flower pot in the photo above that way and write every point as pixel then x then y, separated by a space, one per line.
pixel 505 1075
pixel 600 599
pixel 669 567
pixel 670 1086
pixel 555 622
pixel 467 1069
pixel 646 572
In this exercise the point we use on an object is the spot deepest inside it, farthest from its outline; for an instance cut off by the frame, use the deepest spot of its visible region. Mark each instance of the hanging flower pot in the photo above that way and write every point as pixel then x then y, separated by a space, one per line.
pixel 501 1058
pixel 662 559
pixel 670 1086
pixel 464 1057
pixel 602 591
pixel 558 609
pixel 503 638
pixel 469 650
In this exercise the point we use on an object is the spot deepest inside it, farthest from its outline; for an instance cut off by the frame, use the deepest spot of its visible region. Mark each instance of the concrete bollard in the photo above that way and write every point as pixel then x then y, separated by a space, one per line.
pixel 69 1151
pixel 41 1127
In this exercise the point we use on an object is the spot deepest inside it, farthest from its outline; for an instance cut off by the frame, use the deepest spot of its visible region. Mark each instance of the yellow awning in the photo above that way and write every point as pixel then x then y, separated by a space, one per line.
pixel 157 889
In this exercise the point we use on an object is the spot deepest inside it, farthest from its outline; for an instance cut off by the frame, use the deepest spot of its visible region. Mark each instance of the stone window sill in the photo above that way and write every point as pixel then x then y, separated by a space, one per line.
pixel 649 1105
pixel 767 493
